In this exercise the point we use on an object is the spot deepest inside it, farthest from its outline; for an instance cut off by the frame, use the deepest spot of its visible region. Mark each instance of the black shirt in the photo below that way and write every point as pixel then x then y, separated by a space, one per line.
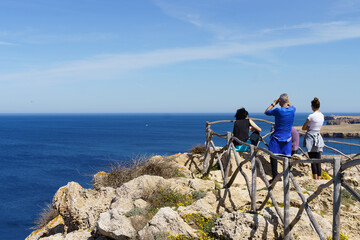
pixel 241 130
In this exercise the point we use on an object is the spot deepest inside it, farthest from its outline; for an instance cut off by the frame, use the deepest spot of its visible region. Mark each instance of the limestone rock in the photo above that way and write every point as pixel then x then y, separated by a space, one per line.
pixel 115 225
pixel 81 207
pixel 98 179
pixel 207 206
pixel 166 221
pixel 139 186
pixel 233 198
pixel 303 228
pixel 54 226
pixel 76 235
pixel 139 203
pixel 241 225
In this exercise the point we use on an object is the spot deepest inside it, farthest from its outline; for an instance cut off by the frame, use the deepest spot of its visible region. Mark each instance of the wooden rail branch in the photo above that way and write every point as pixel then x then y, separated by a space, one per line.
pixel 335 150
pixel 286 187
pixel 256 164
pixel 270 190
pixel 219 160
pixel 355 194
pixel 336 200
pixel 231 121
pixel 344 143
pixel 310 198
pixel 350 164
pixel 254 174
pixel 307 209
pixel 238 169
pixel 311 160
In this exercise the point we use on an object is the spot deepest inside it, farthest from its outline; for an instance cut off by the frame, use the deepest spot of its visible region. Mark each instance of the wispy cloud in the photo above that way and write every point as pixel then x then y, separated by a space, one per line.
pixel 340 7
pixel 111 66
pixel 6 43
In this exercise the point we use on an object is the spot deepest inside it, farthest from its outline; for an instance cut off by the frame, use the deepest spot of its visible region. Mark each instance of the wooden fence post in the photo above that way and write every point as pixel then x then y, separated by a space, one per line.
pixel 254 175
pixel 228 156
pixel 336 200
pixel 207 149
pixel 286 199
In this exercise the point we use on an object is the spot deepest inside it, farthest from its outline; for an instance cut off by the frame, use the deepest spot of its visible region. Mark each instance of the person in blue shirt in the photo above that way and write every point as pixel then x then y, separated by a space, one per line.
pixel 280 141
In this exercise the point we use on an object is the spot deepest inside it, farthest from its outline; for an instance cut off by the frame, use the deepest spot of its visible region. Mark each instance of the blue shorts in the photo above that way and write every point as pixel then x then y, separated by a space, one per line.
pixel 243 148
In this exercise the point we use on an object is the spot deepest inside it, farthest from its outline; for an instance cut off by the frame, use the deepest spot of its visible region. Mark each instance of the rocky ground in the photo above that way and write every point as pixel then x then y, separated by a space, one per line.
pixel 195 207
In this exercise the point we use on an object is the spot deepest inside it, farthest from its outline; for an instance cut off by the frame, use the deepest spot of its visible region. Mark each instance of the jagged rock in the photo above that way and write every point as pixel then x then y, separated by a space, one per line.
pixel 99 179
pixel 233 198
pixel 139 203
pixel 241 225
pixel 81 207
pixel 76 235
pixel 139 186
pixel 115 225
pixel 166 220
pixel 303 228
pixel 207 206
pixel 201 185
pixel 53 227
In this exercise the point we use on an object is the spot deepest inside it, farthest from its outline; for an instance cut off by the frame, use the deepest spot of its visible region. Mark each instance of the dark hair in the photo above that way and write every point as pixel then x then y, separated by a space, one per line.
pixel 241 114
pixel 315 103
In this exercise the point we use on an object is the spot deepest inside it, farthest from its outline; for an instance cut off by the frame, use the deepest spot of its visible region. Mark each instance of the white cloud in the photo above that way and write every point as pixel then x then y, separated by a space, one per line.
pixel 6 43
pixel 111 66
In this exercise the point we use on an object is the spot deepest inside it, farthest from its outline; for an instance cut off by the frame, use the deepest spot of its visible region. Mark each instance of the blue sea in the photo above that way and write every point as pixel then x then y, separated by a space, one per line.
pixel 41 152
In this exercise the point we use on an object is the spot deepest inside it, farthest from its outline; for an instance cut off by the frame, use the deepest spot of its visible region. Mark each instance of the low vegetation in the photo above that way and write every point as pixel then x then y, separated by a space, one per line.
pixel 122 172
pixel 202 223
pixel 47 214
pixel 198 149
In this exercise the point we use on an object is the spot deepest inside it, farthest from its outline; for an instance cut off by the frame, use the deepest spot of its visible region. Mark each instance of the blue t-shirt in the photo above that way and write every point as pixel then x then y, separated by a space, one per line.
pixel 284 119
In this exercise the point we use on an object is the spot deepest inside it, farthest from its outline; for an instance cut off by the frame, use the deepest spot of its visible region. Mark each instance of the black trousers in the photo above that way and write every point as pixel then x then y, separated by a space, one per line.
pixel 274 171
pixel 315 167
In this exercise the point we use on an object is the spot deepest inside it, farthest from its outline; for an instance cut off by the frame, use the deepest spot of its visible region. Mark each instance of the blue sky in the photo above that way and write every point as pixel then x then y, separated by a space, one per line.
pixel 110 56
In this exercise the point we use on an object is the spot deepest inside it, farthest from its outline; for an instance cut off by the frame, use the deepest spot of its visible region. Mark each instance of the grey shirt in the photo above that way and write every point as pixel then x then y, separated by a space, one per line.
pixel 313 141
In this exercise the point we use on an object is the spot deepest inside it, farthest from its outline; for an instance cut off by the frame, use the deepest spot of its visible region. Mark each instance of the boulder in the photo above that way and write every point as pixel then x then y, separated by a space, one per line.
pixel 207 206
pixel 115 225
pixel 241 225
pixel 304 227
pixel 139 187
pixel 233 198
pixel 81 207
pixel 166 221
pixel 53 227
pixel 76 235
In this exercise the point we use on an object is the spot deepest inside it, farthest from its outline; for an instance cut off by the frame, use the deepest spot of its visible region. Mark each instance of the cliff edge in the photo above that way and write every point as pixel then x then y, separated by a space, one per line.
pixel 179 204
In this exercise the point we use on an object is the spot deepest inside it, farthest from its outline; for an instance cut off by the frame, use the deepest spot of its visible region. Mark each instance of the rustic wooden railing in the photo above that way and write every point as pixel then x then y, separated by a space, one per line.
pixel 339 166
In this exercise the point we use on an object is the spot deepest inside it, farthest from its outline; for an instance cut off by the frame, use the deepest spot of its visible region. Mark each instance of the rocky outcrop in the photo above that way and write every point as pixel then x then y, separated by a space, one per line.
pixel 115 225
pixel 81 207
pixel 123 213
pixel 240 225
pixel 169 221
pixel 339 120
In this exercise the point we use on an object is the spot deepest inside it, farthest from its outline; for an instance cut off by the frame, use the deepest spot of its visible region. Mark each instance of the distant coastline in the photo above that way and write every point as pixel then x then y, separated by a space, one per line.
pixel 338 127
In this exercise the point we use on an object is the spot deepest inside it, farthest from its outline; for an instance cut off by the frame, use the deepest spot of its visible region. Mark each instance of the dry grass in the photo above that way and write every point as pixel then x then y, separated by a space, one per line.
pixel 47 214
pixel 198 149
pixel 121 172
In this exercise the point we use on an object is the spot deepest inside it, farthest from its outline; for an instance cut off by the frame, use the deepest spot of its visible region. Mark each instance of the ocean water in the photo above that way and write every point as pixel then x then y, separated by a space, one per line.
pixel 41 152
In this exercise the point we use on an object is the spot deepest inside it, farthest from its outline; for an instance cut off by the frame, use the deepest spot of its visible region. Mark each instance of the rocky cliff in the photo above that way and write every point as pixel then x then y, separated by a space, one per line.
pixel 187 207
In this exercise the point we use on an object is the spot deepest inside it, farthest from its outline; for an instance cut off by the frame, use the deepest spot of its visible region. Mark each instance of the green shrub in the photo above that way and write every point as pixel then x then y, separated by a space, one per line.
pixel 135 212
pixel 196 195
pixel 166 197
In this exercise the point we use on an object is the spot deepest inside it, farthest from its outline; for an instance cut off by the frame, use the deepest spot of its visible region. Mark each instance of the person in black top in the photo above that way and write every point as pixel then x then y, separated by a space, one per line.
pixel 242 126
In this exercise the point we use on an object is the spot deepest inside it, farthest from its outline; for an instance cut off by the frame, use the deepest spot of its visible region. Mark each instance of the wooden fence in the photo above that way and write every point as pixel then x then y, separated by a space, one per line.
pixel 339 166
